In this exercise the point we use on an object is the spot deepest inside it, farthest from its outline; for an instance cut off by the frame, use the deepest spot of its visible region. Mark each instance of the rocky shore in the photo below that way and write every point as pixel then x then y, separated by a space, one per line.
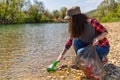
pixel 32 67
pixel 112 69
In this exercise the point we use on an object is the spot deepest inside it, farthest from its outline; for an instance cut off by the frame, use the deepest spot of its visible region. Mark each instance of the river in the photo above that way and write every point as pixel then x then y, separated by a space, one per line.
pixel 27 49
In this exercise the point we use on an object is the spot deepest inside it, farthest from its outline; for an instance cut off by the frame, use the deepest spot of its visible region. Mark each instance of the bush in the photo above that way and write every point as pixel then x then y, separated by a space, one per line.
pixel 105 19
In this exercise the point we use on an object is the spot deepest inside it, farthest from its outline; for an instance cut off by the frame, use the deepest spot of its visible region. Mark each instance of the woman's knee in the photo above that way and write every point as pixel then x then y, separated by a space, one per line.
pixel 102 51
pixel 75 41
pixel 81 50
pixel 78 44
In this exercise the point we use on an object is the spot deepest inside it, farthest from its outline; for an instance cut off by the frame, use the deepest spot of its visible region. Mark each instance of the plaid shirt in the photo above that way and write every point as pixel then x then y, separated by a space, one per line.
pixel 99 29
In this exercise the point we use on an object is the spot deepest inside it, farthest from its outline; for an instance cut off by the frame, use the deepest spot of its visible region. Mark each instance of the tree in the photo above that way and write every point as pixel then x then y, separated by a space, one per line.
pixel 112 5
pixel 56 13
pixel 47 14
pixel 10 11
pixel 106 10
pixel 33 14
pixel 40 5
pixel 63 12
pixel 118 10
pixel 34 11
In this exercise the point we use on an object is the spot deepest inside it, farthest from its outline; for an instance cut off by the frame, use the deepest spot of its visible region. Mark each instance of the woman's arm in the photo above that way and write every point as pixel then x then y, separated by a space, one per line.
pixel 67 46
pixel 101 31
pixel 100 37
pixel 103 35
pixel 62 54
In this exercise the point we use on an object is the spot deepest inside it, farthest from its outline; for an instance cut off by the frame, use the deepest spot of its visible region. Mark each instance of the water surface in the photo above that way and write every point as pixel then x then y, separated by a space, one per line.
pixel 27 49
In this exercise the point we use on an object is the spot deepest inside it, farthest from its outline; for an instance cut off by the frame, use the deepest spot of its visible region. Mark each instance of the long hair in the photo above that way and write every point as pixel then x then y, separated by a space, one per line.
pixel 76 25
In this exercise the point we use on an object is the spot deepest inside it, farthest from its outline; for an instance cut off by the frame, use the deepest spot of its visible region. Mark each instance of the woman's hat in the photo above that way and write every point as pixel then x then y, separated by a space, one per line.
pixel 72 11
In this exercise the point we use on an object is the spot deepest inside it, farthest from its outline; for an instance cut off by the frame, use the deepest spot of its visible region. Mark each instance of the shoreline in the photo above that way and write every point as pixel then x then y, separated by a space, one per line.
pixel 113 67
pixel 29 67
pixel 55 22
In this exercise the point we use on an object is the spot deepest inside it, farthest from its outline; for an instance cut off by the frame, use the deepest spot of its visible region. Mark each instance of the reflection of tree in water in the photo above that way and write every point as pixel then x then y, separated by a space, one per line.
pixel 11 38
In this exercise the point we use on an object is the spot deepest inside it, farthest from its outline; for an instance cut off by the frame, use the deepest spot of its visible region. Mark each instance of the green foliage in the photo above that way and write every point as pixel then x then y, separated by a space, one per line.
pixel 105 19
pixel 56 13
pixel 47 14
pixel 118 10
pixel 23 11
pixel 33 14
pixel 30 19
pixel 19 11
pixel 63 12
pixel 21 18
pixel 108 11
pixel 11 12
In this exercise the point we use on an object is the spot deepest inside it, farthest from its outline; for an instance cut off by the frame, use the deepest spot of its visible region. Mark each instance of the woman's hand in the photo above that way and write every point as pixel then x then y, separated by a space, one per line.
pixel 100 37
pixel 60 57
pixel 95 42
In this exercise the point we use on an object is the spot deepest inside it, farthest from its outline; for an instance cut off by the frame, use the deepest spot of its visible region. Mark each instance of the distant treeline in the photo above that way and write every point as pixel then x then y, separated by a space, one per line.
pixel 23 11
pixel 107 11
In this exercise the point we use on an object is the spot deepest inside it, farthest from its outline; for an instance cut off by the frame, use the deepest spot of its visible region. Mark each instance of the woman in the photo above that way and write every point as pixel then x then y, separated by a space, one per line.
pixel 84 31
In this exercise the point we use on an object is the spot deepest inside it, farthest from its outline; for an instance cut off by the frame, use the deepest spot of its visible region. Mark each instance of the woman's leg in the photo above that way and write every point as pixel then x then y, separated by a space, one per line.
pixel 78 44
pixel 102 51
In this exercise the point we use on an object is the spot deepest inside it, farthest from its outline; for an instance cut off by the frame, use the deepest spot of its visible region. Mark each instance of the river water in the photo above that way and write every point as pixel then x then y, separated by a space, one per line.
pixel 27 49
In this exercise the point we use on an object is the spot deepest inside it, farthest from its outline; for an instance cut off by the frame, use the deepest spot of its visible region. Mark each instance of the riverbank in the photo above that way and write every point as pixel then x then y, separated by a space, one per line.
pixel 112 69
pixel 31 52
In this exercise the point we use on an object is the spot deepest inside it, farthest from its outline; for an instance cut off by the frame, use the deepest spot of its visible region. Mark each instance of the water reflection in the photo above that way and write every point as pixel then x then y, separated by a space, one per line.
pixel 23 47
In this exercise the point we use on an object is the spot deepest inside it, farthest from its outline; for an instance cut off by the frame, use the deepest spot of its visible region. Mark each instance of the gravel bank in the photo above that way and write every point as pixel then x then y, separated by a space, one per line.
pixel 112 69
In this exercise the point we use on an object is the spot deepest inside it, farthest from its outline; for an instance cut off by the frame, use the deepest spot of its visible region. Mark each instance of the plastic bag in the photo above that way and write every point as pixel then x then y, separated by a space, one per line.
pixel 90 63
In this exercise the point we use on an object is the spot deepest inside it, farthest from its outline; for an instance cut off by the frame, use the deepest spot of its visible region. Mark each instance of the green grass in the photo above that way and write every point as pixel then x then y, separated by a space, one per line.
pixel 111 20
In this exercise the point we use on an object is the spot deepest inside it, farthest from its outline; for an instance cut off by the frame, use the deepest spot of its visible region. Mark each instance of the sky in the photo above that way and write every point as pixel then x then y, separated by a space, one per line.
pixel 85 5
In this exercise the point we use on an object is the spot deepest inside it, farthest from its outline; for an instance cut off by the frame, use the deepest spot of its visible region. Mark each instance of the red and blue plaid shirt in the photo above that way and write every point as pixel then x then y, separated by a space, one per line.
pixel 99 29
